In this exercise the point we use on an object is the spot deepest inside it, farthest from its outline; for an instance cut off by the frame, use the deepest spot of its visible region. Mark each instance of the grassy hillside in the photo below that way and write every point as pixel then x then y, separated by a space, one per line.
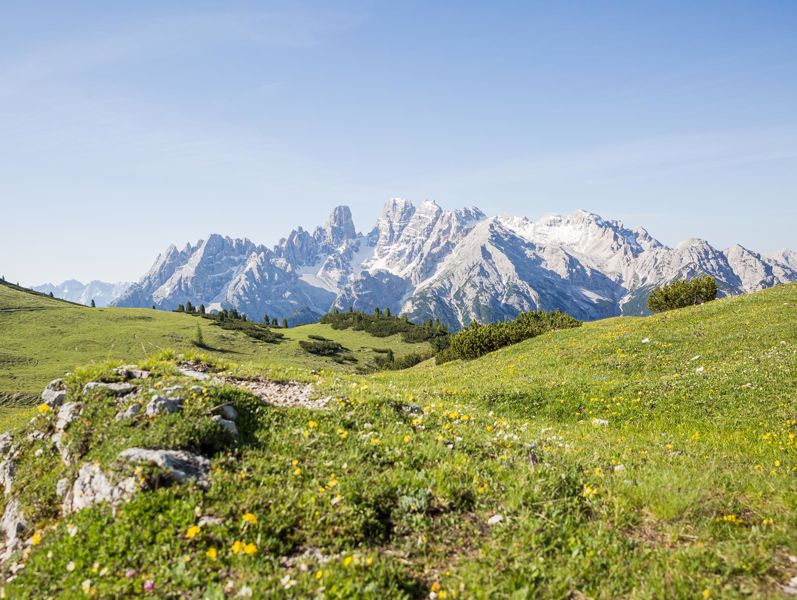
pixel 41 338
pixel 632 457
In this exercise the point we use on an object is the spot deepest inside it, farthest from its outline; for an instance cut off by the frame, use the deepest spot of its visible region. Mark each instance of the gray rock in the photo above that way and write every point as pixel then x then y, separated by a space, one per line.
pixel 62 487
pixel 93 486
pixel 228 412
pixel 6 443
pixel 193 374
pixel 171 389
pixel 226 424
pixel 66 414
pixel 130 412
pixel 8 468
pixel 160 405
pixel 55 393
pixel 118 389
pixel 177 465
pixel 63 450
pixel 208 521
pixel 132 372
pixel 13 525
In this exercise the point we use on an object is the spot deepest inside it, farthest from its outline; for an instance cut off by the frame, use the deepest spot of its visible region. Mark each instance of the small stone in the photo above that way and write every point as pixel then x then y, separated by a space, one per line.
pixel 228 412
pixel 646 341
pixel 600 422
pixel 177 465
pixel 495 520
pixel 55 393
pixel 66 414
pixel 226 424
pixel 619 468
pixel 8 468
pixel 118 389
pixel 62 487
pixel 131 372
pixel 131 411
pixel 161 405
pixel 208 521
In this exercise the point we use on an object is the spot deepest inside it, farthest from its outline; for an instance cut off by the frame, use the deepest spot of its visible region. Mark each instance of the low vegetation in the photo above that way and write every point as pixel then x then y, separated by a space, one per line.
pixel 683 293
pixel 477 340
pixel 383 324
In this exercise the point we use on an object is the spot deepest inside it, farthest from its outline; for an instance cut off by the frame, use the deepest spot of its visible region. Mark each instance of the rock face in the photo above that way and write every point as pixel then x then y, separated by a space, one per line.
pixel 13 525
pixel 455 266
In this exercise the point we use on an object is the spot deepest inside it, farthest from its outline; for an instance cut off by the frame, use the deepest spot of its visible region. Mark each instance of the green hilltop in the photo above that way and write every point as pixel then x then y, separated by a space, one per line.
pixel 632 457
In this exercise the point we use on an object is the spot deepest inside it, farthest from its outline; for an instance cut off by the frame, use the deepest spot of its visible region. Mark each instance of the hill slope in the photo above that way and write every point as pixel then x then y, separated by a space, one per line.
pixel 633 458
pixel 41 338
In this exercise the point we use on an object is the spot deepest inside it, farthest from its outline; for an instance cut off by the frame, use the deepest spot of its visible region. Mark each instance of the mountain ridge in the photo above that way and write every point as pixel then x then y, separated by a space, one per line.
pixel 456 266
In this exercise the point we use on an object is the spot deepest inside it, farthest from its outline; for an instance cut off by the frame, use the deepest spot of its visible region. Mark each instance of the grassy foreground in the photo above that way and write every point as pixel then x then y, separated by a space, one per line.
pixel 641 458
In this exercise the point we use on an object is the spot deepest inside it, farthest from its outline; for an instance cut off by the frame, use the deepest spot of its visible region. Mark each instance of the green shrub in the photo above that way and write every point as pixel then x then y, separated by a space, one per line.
pixel 683 293
pixel 477 340
pixel 321 348
pixel 384 325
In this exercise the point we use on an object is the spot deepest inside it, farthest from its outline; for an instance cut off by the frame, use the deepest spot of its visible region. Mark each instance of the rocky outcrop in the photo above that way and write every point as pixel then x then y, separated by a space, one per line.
pixel 93 486
pixel 55 393
pixel 176 466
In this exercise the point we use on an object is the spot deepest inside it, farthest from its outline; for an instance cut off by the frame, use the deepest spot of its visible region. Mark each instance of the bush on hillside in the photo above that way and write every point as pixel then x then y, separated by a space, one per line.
pixel 321 348
pixel 477 340
pixel 382 324
pixel 680 294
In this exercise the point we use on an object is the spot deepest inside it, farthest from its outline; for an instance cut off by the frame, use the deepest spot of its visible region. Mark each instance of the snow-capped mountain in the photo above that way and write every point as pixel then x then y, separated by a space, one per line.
pixel 101 292
pixel 455 266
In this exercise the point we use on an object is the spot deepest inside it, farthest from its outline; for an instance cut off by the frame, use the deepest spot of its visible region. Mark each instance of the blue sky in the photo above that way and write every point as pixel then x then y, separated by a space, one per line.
pixel 128 126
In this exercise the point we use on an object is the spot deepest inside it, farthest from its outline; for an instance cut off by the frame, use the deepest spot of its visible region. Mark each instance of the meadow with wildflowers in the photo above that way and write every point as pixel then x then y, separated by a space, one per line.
pixel 632 457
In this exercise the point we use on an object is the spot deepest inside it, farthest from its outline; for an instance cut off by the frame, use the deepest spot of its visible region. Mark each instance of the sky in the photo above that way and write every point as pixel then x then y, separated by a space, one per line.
pixel 128 126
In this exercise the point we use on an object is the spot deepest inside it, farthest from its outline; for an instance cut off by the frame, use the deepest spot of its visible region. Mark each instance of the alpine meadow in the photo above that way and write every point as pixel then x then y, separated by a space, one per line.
pixel 417 301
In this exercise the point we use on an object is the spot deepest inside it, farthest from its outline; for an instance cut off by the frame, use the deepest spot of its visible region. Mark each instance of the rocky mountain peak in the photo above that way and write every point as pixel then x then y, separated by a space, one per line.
pixel 339 226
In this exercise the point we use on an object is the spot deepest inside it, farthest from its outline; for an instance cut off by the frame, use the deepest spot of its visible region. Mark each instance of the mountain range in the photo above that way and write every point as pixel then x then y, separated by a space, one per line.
pixel 102 292
pixel 455 266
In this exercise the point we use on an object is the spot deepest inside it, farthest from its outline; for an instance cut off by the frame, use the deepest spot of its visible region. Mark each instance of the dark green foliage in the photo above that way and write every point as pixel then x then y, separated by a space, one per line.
pixel 232 320
pixel 274 322
pixel 680 294
pixel 201 309
pixel 477 340
pixel 386 325
pixel 266 320
pixel 199 340
pixel 319 338
pixel 285 323
pixel 189 308
pixel 51 295
pixel 386 360
pixel 93 305
pixel 180 308
pixel 321 348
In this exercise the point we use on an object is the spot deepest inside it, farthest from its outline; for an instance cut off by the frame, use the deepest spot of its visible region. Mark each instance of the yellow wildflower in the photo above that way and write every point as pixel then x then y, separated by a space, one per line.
pixel 237 547
pixel 343 434
pixel 192 532
pixel 212 553
pixel 406 439
pixel 297 471
pixel 312 424
pixel 44 408
pixel 250 518
pixel 435 587
pixel 347 561
pixel 250 549
pixel 36 539
pixel 319 574
pixel 375 441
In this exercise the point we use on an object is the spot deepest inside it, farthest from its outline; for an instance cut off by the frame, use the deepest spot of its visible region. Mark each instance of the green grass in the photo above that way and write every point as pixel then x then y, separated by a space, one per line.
pixel 620 468
pixel 41 338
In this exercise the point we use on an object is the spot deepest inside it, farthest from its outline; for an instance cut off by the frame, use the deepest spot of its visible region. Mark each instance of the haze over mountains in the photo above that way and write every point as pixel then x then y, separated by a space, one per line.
pixel 83 293
pixel 455 266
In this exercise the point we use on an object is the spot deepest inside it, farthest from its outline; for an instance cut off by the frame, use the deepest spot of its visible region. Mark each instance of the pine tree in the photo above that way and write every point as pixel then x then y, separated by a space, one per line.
pixel 93 305
pixel 274 322
pixel 387 312
pixel 377 312
pixel 180 308
pixel 201 309
pixel 51 295
pixel 265 319
pixel 189 308
pixel 285 323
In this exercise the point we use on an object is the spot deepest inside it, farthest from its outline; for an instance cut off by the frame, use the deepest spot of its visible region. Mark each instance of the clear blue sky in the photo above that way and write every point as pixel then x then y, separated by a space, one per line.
pixel 126 126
